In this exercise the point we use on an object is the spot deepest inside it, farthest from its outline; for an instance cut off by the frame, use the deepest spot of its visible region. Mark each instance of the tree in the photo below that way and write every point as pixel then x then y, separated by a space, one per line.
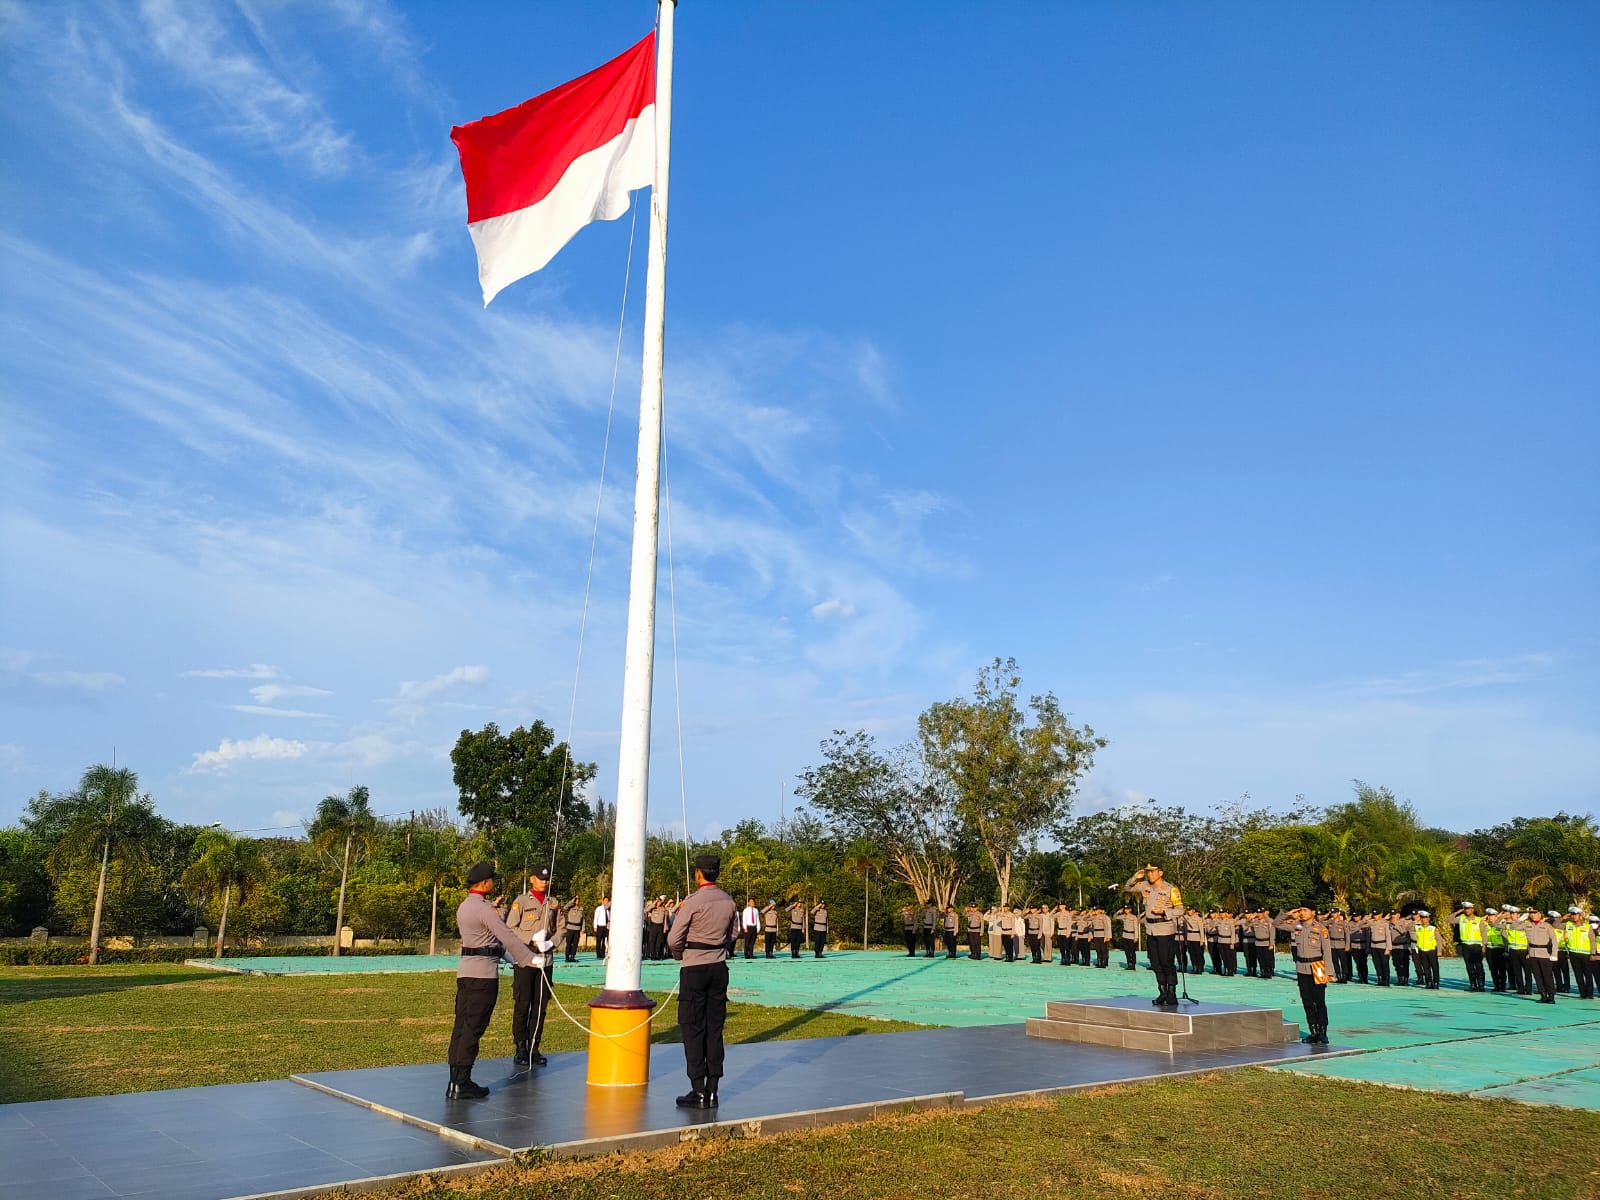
pixel 1559 856
pixel 1080 876
pixel 1347 862
pixel 1011 779
pixel 511 786
pixel 888 799
pixel 225 862
pixel 1275 866
pixel 105 815
pixel 862 861
pixel 435 859
pixel 346 821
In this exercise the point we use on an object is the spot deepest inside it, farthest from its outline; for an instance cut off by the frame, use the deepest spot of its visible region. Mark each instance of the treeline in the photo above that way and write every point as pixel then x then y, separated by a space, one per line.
pixel 977 808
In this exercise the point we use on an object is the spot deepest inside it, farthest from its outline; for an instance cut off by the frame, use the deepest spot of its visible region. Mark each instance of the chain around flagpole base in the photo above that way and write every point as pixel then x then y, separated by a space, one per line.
pixel 619 1039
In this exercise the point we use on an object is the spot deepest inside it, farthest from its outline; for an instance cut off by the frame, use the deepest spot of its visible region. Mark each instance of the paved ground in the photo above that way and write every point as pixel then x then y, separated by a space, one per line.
pixel 1450 1040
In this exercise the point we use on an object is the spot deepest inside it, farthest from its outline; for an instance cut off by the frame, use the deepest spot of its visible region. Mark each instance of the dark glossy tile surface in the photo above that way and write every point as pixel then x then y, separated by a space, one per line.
pixel 205 1144
pixel 554 1105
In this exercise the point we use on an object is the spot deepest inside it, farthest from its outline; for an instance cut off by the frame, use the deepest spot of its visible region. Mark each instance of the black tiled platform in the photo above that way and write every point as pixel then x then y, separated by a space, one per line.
pixel 553 1107
pixel 205 1144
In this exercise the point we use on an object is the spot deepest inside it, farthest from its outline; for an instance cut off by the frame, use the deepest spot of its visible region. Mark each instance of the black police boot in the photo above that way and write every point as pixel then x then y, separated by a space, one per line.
pixel 1322 1035
pixel 537 1059
pixel 461 1086
pixel 695 1097
pixel 710 1091
pixel 520 1058
pixel 1310 1036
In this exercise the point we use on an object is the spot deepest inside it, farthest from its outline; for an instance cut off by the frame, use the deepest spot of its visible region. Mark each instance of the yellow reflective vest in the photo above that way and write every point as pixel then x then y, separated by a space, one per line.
pixel 1580 939
pixel 1516 938
pixel 1493 935
pixel 1427 937
pixel 1471 931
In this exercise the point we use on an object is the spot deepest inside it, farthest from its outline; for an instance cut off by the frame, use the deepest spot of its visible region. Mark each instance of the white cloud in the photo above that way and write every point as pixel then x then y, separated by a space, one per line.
pixel 833 610
pixel 264 710
pixel 254 671
pixel 284 818
pixel 260 748
pixel 416 692
pixel 268 692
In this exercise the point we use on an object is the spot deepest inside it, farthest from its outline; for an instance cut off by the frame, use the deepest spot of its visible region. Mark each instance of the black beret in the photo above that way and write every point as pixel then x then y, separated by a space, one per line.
pixel 479 873
pixel 708 862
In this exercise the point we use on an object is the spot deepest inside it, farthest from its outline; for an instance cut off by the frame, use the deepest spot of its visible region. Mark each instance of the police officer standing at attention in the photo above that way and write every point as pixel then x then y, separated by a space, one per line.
pixel 533 919
pixel 702 935
pixel 930 921
pixel 1313 958
pixel 574 927
pixel 1163 905
pixel 975 924
pixel 484 939
pixel 908 922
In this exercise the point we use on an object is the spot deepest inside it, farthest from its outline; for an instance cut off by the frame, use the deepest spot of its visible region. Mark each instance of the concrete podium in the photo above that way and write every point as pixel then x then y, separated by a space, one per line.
pixel 1133 1023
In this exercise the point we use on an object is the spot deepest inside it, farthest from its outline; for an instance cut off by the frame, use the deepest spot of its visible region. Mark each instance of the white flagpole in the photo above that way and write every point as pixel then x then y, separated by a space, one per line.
pixel 623 1005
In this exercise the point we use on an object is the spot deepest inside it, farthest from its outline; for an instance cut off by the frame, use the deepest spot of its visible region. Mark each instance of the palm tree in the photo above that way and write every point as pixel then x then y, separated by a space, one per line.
pixel 348 820
pixel 224 863
pixel 434 861
pixel 1348 861
pixel 1233 878
pixel 1081 876
pixel 109 815
pixel 863 862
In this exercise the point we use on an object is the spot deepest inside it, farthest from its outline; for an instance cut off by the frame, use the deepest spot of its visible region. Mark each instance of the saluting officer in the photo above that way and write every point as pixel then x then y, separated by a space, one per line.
pixel 769 928
pixel 797 926
pixel 534 916
pixel 1541 952
pixel 702 936
pixel 484 939
pixel 1163 905
pixel 819 928
pixel 930 922
pixel 952 930
pixel 1469 941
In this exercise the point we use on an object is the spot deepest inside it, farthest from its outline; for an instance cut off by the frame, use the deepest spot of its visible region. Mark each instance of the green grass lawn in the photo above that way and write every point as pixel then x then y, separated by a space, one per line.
pixel 1254 1133
pixel 89 1031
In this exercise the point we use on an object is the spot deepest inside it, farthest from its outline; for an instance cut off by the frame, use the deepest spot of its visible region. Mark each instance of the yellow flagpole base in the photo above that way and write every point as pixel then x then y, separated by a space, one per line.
pixel 619 1046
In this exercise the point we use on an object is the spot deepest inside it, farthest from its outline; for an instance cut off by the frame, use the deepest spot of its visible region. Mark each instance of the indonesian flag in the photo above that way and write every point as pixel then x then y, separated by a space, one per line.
pixel 539 172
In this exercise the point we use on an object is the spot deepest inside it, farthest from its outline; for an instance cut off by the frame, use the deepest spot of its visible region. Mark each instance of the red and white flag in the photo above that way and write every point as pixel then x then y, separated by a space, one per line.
pixel 539 172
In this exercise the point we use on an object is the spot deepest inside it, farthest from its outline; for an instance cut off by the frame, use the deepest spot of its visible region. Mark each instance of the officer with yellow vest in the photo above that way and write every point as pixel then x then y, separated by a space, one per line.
pixel 1425 940
pixel 1495 950
pixel 1469 942
pixel 1580 951
pixel 1563 963
pixel 1516 931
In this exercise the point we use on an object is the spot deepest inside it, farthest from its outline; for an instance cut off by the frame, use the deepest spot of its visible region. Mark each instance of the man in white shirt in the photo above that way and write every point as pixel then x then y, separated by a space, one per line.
pixel 750 925
pixel 602 925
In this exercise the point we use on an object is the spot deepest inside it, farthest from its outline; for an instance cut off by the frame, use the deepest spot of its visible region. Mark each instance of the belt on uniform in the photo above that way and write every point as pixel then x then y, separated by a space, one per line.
pixel 1312 959
pixel 494 951
pixel 705 945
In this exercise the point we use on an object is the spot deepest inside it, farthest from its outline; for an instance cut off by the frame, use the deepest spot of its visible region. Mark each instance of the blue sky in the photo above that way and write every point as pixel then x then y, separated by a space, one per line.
pixel 1233 367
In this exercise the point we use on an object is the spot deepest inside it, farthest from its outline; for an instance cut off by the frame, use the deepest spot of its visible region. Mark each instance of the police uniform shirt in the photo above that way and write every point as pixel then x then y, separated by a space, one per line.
pixel 1541 940
pixel 1130 926
pixel 709 918
pixel 1309 942
pixel 797 915
pixel 1100 926
pixel 952 922
pixel 769 919
pixel 574 917
pixel 819 919
pixel 482 929
pixel 975 920
pixel 531 916
pixel 1160 911
pixel 930 917
pixel 908 918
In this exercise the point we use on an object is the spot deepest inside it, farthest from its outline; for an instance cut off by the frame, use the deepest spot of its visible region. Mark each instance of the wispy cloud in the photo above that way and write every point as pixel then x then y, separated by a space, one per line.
pixel 268 692
pixel 253 671
pixel 1462 675
pixel 264 710
pixel 231 753
pixel 416 692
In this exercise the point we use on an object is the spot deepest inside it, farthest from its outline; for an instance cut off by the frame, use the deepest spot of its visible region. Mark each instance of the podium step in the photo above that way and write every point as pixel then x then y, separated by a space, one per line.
pixel 1133 1023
